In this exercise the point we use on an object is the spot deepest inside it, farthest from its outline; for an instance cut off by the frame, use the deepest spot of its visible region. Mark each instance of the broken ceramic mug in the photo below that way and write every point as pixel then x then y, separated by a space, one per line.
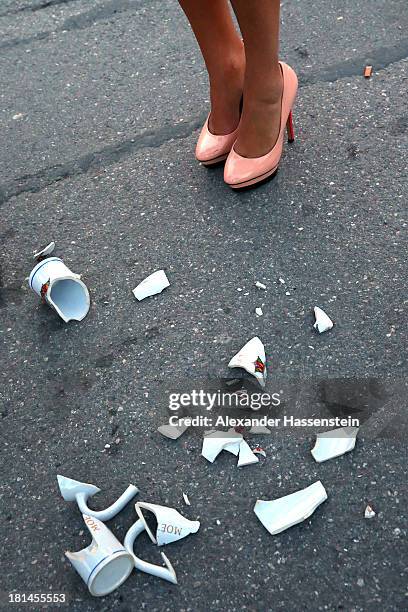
pixel 74 490
pixel 252 359
pixel 153 284
pixel 58 287
pixel 103 565
pixel 166 573
pixel 334 443
pixel 284 512
pixel 171 525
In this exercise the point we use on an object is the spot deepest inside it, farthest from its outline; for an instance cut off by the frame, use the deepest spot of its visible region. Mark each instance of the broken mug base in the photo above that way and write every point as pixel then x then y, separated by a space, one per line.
pixel 60 288
pixel 103 565
pixel 110 574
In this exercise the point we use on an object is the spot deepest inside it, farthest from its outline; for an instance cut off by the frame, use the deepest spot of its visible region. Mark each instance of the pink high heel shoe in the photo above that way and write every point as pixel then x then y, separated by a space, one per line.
pixel 241 171
pixel 212 148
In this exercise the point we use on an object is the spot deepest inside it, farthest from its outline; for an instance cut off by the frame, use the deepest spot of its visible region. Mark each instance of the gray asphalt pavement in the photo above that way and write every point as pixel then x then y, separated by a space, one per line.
pixel 100 105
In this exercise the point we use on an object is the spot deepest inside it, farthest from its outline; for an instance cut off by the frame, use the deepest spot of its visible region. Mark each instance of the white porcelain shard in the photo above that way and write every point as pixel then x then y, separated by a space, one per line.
pixel 369 513
pixel 74 490
pixel 259 429
pixel 334 443
pixel 103 565
pixel 208 432
pixel 246 456
pixel 231 431
pixel 172 431
pixel 171 525
pixel 186 500
pixel 284 512
pixel 44 252
pixel 259 451
pixel 323 322
pixel 233 446
pixel 252 359
pixel 152 285
pixel 259 311
pixel 260 285
pixel 215 442
pixel 60 288
pixel 166 573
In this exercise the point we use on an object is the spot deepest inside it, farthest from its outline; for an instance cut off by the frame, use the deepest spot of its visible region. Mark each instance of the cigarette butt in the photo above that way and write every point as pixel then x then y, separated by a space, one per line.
pixel 368 70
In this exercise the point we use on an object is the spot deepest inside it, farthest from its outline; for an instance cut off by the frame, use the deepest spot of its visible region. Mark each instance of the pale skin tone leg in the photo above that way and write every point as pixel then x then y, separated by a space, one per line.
pixel 260 122
pixel 256 71
pixel 224 57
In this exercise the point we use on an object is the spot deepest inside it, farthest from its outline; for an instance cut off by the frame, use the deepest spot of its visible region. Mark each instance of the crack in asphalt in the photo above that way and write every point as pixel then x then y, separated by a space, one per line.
pixel 33 183
pixel 44 4
pixel 381 58
pixel 75 22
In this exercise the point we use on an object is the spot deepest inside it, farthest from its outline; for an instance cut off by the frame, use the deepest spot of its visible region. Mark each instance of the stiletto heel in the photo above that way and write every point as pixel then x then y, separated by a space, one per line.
pixel 239 171
pixel 289 128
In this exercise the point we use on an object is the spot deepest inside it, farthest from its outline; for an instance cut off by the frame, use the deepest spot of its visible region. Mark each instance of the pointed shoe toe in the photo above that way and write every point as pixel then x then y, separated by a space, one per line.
pixel 211 148
pixel 240 172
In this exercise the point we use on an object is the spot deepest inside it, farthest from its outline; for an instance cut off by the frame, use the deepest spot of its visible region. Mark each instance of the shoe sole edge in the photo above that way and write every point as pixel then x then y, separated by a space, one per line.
pixel 255 180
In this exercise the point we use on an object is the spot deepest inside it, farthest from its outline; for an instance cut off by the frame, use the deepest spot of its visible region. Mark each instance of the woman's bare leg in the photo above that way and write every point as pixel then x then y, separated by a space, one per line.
pixel 224 57
pixel 259 23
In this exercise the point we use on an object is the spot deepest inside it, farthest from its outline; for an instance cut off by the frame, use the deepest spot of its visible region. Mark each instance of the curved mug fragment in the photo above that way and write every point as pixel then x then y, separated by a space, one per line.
pixel 246 456
pixel 218 441
pixel 44 252
pixel 74 490
pixel 171 525
pixel 284 512
pixel 334 443
pixel 152 285
pixel 166 573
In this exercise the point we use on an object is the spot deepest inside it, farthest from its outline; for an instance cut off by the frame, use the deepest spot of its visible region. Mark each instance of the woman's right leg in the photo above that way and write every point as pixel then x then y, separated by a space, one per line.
pixel 224 58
